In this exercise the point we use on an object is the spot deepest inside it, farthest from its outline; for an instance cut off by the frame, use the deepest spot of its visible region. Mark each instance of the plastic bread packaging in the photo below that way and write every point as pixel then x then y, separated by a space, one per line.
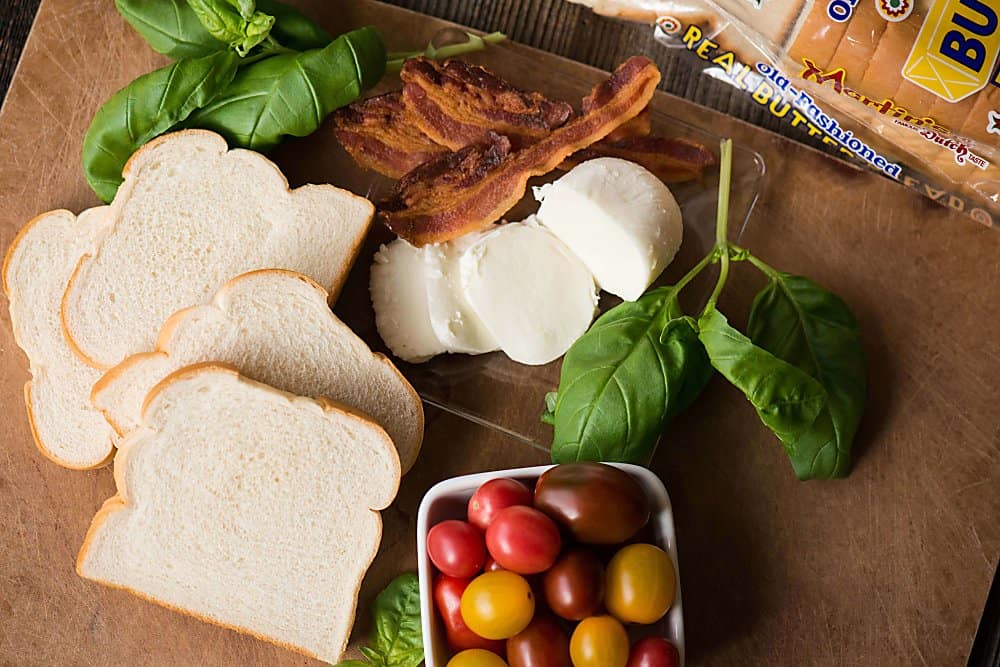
pixel 909 88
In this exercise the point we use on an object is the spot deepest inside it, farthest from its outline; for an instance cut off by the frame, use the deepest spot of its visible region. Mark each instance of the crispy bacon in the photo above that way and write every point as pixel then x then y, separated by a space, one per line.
pixel 671 160
pixel 468 191
pixel 380 136
pixel 457 104
pixel 640 126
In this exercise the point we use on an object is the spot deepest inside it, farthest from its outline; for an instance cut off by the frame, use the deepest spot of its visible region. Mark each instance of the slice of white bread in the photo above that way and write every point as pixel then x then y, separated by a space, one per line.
pixel 275 327
pixel 35 272
pixel 248 507
pixel 189 216
pixel 219 224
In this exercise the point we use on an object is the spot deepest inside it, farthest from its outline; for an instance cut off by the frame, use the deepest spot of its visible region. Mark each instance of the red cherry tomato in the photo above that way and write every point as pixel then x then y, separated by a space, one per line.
pixel 494 496
pixel 491 565
pixel 542 644
pixel 448 598
pixel 653 652
pixel 523 540
pixel 456 548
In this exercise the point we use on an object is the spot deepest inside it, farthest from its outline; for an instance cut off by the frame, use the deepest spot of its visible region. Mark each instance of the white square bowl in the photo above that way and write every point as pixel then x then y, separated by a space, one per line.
pixel 449 499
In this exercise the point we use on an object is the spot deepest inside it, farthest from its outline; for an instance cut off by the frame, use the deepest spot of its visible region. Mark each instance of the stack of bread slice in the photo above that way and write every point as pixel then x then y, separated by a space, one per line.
pixel 187 326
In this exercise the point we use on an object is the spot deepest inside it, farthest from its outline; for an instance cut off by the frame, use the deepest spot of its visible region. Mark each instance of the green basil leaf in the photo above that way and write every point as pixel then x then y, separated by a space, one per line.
pixel 233 22
pixel 353 663
pixel 620 383
pixel 291 94
pixel 398 635
pixel 799 322
pixel 170 27
pixel 792 404
pixel 292 29
pixel 549 415
pixel 147 107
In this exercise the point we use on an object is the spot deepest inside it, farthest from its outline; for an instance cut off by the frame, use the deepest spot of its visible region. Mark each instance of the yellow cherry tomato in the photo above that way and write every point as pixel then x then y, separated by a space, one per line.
pixel 640 584
pixel 477 657
pixel 599 641
pixel 498 605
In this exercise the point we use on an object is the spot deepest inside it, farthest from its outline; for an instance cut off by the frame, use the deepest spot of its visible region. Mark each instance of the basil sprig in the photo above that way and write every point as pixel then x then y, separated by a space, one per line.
pixel 291 93
pixel 254 71
pixel 801 366
pixel 398 640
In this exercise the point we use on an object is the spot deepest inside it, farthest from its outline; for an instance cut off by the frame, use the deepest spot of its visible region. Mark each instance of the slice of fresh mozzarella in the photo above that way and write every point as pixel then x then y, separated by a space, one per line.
pixel 534 295
pixel 455 323
pixel 619 218
pixel 399 296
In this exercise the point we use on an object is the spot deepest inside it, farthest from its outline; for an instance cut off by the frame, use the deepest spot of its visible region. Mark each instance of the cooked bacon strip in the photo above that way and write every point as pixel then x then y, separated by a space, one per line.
pixel 379 136
pixel 470 190
pixel 640 126
pixel 671 160
pixel 457 104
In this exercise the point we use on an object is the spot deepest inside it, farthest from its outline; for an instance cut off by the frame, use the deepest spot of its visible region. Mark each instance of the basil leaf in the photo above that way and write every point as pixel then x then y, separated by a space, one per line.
pixel 549 414
pixel 789 402
pixel 398 636
pixel 170 27
pixel 799 322
pixel 620 383
pixel 233 22
pixel 147 107
pixel 291 94
pixel 353 663
pixel 292 29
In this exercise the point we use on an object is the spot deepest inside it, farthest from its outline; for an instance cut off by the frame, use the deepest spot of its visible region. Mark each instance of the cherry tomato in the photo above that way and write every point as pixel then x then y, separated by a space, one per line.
pixel 641 584
pixel 491 565
pixel 494 496
pixel 599 641
pixel 523 540
pixel 597 503
pixel 456 548
pixel 498 605
pixel 542 644
pixel 448 598
pixel 654 652
pixel 574 585
pixel 476 657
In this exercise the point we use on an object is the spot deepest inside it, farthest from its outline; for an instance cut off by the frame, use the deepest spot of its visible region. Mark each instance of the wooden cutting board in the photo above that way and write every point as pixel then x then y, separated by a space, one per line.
pixel 890 566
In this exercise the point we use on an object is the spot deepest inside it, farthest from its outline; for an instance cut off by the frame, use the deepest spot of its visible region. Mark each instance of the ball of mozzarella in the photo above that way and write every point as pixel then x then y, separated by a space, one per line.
pixel 618 218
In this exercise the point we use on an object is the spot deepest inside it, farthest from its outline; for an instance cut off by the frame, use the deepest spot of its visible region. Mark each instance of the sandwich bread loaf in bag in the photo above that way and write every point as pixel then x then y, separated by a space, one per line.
pixel 909 88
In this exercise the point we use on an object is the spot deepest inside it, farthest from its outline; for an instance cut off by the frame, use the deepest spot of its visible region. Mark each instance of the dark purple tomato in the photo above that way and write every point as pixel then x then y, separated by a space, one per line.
pixel 448 599
pixel 456 548
pixel 653 652
pixel 523 540
pixel 596 503
pixel 493 496
pixel 542 644
pixel 574 585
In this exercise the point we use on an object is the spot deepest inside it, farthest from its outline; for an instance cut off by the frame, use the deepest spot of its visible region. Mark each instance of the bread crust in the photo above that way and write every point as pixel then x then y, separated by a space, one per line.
pixel 120 502
pixel 334 289
pixel 165 338
pixel 40 444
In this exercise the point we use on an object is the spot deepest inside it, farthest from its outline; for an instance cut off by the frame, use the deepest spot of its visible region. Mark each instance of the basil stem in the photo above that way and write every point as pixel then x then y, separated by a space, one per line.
pixel 474 43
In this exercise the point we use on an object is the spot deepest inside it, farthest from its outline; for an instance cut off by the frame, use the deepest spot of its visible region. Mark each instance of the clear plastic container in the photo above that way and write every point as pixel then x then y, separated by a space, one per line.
pixel 490 389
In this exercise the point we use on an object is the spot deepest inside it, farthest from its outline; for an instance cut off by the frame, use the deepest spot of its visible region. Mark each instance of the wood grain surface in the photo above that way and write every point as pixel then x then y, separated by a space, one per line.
pixel 888 567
